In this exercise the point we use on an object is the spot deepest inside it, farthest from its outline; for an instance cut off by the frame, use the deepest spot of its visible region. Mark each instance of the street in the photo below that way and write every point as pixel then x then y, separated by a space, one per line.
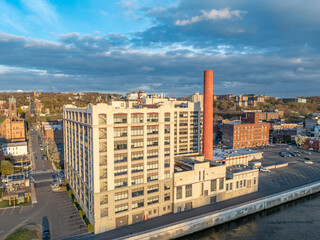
pixel 64 218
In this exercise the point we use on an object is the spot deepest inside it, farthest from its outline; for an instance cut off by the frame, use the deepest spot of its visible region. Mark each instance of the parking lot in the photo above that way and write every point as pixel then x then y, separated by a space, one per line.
pixel 15 211
pixel 296 173
pixel 73 223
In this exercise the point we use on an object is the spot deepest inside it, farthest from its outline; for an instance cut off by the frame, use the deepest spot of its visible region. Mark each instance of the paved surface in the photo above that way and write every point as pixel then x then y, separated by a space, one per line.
pixel 296 174
pixel 64 218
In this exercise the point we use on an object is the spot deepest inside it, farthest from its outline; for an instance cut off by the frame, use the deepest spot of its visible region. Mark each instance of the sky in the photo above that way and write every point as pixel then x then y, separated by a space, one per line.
pixel 161 46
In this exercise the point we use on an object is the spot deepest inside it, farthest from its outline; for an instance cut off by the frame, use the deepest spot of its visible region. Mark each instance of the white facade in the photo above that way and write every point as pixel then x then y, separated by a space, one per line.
pixel 15 149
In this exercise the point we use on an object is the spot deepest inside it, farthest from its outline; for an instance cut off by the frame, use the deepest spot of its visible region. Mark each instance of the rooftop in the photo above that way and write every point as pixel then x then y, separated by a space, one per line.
pixel 220 154
pixel 15 144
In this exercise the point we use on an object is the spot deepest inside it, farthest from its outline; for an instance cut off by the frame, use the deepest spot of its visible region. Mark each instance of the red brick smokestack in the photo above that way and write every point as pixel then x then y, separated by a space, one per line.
pixel 208 115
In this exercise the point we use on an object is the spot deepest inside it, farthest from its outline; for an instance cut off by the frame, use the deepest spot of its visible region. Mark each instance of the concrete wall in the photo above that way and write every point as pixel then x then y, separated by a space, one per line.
pixel 199 223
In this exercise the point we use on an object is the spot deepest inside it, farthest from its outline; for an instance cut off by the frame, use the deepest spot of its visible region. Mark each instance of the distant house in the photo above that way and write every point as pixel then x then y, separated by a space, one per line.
pixel 15 149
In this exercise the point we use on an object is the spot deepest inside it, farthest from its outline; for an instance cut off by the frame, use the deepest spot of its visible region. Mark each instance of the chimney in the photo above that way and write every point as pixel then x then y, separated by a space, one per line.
pixel 208 115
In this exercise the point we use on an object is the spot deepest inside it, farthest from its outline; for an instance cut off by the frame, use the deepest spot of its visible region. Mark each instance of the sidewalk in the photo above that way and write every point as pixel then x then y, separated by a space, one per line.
pixel 33 195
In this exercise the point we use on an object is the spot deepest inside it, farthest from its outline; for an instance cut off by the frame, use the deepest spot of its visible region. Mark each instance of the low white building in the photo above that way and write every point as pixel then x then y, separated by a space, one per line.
pixel 15 149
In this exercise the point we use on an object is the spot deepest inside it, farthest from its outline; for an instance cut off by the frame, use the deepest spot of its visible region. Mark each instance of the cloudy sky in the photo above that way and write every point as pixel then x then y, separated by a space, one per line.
pixel 265 47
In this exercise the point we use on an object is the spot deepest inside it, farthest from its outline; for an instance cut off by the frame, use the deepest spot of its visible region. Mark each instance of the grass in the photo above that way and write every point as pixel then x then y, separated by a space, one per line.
pixel 24 234
pixel 5 204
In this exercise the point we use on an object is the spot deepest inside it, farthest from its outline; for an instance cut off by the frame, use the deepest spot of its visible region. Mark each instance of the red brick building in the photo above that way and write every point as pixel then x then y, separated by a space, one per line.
pixel 249 133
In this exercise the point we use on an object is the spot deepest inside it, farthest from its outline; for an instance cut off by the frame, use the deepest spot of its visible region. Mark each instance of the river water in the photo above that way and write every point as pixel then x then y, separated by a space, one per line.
pixel 299 220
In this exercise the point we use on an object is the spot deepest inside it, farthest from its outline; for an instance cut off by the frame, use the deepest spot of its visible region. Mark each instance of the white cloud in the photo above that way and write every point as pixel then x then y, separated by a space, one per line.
pixel 42 9
pixel 212 15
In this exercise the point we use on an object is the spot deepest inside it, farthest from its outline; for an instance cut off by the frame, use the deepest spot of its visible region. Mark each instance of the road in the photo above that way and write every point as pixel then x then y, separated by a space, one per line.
pixel 64 218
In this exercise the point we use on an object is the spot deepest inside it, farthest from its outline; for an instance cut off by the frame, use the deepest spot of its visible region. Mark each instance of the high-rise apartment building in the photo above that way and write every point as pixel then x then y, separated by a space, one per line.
pixel 120 161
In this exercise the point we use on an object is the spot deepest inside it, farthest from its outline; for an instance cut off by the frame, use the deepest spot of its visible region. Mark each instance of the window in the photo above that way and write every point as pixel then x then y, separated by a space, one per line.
pixel 214 185
pixel 120 118
pixel 167 117
pixel 153 200
pixel 167 196
pixel 249 183
pixel 167 129
pixel 102 119
pixel 167 141
pixel 152 177
pixel 121 208
pixel 179 192
pixel 167 152
pixel 152 129
pixel 221 183
pixel 237 185
pixel 188 190
pixel 153 188
pixel 102 146
pixel 121 195
pixel 136 131
pixel 137 143
pixel 136 155
pixel 137 167
pixel 167 186
pixel 120 132
pixel 120 157
pixel 120 182
pixel 244 183
pixel 137 204
pixel 121 170
pixel 103 173
pixel 230 186
pixel 120 145
pixel 137 192
pixel 137 180
pixel 102 133
pixel 152 117
pixel 102 160
pixel 255 181
pixel 103 199
pixel 152 142
pixel 227 187
pixel 152 165
pixel 166 163
pixel 103 212
pixel 136 118
pixel 240 183
pixel 152 153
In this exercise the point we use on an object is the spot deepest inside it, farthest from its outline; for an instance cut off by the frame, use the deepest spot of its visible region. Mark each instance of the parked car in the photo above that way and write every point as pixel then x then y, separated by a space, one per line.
pixel 307 158
pixel 45 229
pixel 264 170
pixel 306 152
pixel 308 162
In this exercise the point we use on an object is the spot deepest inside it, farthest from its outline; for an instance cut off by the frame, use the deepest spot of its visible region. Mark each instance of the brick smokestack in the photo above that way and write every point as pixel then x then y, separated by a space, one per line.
pixel 208 115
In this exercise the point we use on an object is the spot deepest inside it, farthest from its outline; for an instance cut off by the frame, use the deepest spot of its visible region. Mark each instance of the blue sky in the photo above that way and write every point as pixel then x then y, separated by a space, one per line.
pixel 264 47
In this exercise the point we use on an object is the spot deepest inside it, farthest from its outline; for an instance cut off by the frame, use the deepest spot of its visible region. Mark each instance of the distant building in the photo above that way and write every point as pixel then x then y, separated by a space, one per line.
pixel 297 100
pixel 54 133
pixel 251 133
pixel 310 123
pixel 12 128
pixel 15 149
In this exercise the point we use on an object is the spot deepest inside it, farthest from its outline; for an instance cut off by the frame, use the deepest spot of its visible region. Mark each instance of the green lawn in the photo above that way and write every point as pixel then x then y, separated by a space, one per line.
pixel 5 204
pixel 24 234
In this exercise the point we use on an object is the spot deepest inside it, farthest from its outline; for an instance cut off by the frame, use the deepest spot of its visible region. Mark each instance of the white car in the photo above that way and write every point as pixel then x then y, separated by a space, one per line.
pixel 308 162
pixel 306 152
pixel 264 170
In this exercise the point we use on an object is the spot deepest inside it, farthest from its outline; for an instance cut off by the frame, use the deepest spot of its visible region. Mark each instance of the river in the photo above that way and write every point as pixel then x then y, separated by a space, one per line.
pixel 299 219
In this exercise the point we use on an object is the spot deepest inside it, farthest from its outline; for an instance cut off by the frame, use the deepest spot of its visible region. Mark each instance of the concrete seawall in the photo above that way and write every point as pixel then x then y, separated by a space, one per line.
pixel 202 222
